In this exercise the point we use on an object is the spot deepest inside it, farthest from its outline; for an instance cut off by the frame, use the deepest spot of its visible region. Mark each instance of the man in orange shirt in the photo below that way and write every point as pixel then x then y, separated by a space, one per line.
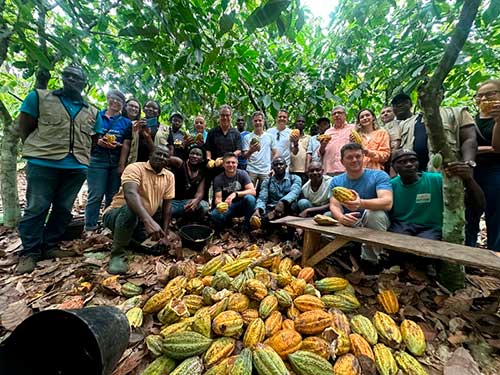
pixel 145 186
pixel 329 151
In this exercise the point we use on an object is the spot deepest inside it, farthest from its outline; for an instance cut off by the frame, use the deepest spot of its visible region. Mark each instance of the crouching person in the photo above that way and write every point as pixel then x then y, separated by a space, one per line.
pixel 144 187
pixel 315 192
pixel 234 194
pixel 190 180
pixel 277 193
pixel 372 191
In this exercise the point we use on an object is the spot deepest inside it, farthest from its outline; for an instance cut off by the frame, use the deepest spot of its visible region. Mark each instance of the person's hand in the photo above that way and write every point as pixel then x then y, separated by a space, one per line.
pixel 304 213
pixel 192 205
pixel 230 198
pixel 121 168
pixel 153 229
pixel 256 213
pixel 353 205
pixel 459 169
pixel 294 138
pixel 254 147
pixel 279 210
pixel 350 219
pixel 139 125
pixel 324 141
pixel 105 144
pixel 188 140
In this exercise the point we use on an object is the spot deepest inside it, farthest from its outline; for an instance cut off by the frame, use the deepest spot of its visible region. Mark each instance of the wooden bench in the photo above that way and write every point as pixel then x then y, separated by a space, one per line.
pixel 312 252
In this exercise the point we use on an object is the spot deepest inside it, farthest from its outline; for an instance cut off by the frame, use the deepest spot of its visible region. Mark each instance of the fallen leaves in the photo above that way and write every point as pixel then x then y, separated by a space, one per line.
pixel 14 314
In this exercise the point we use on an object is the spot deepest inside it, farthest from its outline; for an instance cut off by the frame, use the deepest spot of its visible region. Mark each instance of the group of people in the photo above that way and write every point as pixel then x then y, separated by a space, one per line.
pixel 147 172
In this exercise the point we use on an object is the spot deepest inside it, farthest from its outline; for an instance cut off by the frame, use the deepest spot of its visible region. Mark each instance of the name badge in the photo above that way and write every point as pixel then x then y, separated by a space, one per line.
pixel 423 198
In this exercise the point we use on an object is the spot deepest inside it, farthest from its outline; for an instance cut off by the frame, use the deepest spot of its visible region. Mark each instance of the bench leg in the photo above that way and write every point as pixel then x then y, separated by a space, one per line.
pixel 312 243
pixel 318 256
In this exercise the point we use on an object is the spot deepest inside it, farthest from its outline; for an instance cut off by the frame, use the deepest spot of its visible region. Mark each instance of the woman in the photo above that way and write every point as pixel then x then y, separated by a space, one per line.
pixel 132 111
pixel 487 170
pixel 376 142
pixel 103 178
pixel 190 186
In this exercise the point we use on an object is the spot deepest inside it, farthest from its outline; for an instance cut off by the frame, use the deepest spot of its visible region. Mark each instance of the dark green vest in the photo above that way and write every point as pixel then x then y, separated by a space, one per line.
pixel 56 134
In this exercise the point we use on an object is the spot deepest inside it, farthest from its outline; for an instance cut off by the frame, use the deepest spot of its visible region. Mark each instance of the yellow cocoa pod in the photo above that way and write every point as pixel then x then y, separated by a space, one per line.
pixel 359 346
pixel 135 317
pixel 409 365
pixel 384 360
pixel 110 138
pixel 255 333
pixel 343 194
pixel 413 337
pixel 325 220
pixel 295 133
pixel 364 327
pixel 387 329
pixel 211 164
pixel 356 137
pixel 273 323
pixel 347 364
pixel 255 222
pixel 316 345
pixel 222 207
pixel 219 349
pixel 389 301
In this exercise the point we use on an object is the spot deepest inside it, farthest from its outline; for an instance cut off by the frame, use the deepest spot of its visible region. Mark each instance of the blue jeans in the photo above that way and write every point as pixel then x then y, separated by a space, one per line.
pixel 178 209
pixel 488 178
pixel 48 187
pixel 303 204
pixel 242 207
pixel 103 181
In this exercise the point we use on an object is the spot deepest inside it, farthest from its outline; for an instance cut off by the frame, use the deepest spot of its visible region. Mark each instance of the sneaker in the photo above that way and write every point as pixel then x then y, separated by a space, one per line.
pixel 26 264
pixel 58 253
pixel 117 265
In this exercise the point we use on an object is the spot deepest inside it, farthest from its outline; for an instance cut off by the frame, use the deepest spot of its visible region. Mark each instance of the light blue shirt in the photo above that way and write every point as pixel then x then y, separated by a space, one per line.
pixel 260 162
pixel 282 139
pixel 313 147
pixel 273 190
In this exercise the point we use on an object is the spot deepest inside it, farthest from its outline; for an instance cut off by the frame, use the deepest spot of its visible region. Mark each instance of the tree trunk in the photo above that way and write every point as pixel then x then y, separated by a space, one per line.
pixel 453 190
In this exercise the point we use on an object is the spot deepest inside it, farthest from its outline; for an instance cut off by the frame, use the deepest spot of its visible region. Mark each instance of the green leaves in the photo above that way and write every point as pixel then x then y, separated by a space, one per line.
pixel 226 23
pixel 266 14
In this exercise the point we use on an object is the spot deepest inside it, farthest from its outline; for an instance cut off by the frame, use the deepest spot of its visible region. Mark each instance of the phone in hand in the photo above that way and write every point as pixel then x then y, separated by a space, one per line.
pixel 151 122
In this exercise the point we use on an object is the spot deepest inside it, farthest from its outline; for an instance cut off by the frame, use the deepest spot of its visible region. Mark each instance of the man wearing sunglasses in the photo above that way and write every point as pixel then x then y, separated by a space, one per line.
pixel 281 134
pixel 57 129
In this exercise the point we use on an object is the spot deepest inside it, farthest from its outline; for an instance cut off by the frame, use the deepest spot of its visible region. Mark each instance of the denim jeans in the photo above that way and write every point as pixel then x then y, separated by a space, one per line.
pixel 198 214
pixel 488 178
pixel 242 207
pixel 103 181
pixel 48 187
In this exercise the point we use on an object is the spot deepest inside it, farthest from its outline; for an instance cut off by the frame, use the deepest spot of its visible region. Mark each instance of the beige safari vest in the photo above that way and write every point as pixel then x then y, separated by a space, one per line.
pixel 56 134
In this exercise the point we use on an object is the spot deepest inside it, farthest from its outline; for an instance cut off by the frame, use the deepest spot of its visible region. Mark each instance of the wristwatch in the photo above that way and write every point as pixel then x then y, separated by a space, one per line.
pixel 471 163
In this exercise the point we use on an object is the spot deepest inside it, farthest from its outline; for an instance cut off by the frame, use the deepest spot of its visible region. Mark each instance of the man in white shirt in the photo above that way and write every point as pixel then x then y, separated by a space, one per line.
pixel 281 134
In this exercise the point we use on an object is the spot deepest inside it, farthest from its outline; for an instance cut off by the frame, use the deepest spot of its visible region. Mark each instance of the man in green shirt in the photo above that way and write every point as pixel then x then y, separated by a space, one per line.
pixel 418 196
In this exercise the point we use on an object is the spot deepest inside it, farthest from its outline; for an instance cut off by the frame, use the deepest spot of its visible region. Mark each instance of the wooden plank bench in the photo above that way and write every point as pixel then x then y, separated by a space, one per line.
pixel 312 252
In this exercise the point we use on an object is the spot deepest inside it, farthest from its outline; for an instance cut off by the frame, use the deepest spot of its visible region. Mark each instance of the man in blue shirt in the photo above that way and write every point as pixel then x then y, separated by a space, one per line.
pixel 57 129
pixel 278 193
pixel 373 195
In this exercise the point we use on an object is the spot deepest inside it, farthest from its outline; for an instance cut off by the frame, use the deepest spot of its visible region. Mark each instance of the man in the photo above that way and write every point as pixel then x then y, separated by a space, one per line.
pixel 281 134
pixel 200 127
pixel 418 196
pixel 145 187
pixel 57 129
pixel 259 149
pixel 240 125
pixel 190 185
pixel 387 114
pixel 459 129
pixel 278 193
pixel 322 125
pixel 373 196
pixel 329 151
pixel 234 187
pixel 175 136
pixel 299 146
pixel 223 138
pixel 315 192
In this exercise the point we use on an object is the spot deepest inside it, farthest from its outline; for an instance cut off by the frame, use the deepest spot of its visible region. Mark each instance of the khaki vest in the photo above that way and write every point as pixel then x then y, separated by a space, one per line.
pixel 56 134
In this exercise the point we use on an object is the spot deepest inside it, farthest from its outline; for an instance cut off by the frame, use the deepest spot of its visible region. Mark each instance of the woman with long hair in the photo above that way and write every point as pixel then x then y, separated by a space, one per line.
pixel 376 142
pixel 132 111
pixel 487 170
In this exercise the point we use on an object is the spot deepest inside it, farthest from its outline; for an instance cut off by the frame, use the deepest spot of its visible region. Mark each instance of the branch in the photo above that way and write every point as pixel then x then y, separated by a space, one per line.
pixel 250 96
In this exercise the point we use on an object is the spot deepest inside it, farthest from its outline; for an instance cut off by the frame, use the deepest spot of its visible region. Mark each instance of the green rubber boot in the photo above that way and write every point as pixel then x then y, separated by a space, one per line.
pixel 117 264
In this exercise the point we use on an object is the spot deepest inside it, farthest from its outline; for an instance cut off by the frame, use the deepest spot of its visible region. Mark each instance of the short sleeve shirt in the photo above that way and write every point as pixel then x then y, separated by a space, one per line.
pixel 331 157
pixel 282 139
pixel 30 107
pixel 219 143
pixel 153 187
pixel 228 185
pixel 366 186
pixel 313 147
pixel 260 162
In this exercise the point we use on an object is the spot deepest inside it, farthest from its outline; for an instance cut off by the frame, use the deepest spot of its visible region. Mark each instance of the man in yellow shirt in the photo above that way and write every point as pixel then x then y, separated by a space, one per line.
pixel 144 187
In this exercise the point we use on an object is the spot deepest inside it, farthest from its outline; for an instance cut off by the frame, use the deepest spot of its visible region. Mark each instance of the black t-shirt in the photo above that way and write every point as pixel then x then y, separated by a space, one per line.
pixel 173 140
pixel 228 185
pixel 219 143
pixel 420 144
pixel 143 150
pixel 186 187
pixel 484 136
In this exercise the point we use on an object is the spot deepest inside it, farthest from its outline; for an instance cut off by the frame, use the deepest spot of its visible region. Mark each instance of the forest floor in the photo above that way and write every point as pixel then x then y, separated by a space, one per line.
pixel 462 329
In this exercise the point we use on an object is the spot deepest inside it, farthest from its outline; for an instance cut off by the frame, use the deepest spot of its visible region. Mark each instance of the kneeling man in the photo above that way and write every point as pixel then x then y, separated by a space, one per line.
pixel 144 187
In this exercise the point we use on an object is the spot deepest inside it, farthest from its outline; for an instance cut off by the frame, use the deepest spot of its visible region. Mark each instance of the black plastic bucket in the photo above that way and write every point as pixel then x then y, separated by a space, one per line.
pixel 88 341
pixel 195 236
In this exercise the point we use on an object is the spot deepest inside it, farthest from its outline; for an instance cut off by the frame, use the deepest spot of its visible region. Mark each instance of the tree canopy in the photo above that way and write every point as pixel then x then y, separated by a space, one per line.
pixel 195 55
